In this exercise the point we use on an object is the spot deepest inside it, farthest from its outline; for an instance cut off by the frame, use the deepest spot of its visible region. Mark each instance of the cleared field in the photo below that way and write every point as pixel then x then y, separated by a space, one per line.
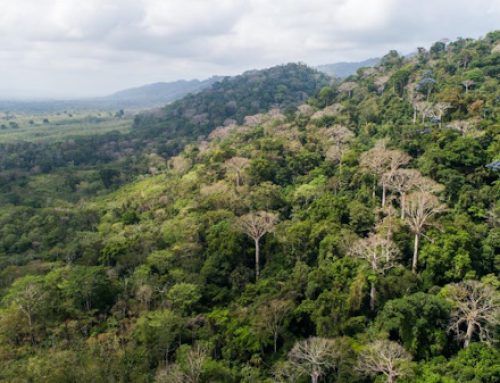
pixel 51 127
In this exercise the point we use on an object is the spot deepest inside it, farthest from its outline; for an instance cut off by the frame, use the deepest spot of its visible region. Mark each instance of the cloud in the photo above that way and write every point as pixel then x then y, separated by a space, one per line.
pixel 74 47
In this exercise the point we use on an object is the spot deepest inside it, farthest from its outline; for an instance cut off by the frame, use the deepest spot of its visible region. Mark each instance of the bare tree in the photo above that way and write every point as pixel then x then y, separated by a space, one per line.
pixel 28 297
pixel 439 110
pixel 144 294
pixel 195 359
pixel 476 310
pixel 189 372
pixel 387 358
pixel 236 166
pixel 463 126
pixel 375 161
pixel 180 164
pixel 256 225
pixel 340 136
pixel 397 159
pixel 428 185
pixel 425 109
pixel 420 208
pixel 415 99
pixel 271 317
pixel 313 357
pixel 389 222
pixel 170 374
pixel 415 111
pixel 383 163
pixel 285 372
pixel 402 181
pixel 348 87
pixel 467 84
pixel 380 253
pixel 380 82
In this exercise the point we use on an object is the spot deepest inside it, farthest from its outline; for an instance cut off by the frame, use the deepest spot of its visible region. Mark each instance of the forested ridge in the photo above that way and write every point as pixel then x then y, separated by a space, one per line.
pixel 253 233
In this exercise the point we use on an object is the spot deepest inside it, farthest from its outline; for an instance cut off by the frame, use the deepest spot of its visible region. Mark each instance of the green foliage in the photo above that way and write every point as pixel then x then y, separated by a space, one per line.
pixel 121 257
pixel 419 321
pixel 477 364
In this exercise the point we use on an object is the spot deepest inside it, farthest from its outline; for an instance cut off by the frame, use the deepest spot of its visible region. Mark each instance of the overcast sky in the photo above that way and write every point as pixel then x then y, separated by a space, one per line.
pixel 73 48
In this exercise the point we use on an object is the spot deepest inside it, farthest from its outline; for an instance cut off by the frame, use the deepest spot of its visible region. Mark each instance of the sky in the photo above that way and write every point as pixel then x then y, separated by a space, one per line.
pixel 83 48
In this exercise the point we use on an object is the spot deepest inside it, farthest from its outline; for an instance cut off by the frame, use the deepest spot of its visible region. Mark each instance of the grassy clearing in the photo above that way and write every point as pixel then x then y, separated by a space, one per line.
pixel 57 126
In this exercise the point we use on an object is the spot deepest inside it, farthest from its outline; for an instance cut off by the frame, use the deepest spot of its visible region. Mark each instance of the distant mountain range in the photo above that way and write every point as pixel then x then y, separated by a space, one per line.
pixel 160 93
pixel 156 94
pixel 346 69
pixel 143 97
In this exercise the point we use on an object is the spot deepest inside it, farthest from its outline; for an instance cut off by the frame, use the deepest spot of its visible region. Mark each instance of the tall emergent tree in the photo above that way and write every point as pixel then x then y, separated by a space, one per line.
pixel 339 136
pixel 384 163
pixel 256 225
pixel 401 182
pixel 476 310
pixel 420 208
pixel 27 295
pixel 380 253
pixel 375 162
pixel 387 358
pixel 236 167
pixel 271 318
pixel 313 357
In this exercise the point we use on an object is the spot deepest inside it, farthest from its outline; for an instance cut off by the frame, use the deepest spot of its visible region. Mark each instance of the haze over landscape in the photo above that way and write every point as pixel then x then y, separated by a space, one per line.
pixel 73 49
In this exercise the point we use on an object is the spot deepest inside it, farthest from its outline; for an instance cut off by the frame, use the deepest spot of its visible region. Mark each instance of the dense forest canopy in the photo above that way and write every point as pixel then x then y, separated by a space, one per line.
pixel 276 227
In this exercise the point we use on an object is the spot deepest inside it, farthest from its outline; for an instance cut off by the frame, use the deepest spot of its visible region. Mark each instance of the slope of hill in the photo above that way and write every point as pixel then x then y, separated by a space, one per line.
pixel 158 94
pixel 230 100
pixel 346 69
pixel 163 131
pixel 354 238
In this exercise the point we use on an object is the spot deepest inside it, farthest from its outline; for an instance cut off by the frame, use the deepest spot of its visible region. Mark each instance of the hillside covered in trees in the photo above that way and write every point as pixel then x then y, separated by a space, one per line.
pixel 253 233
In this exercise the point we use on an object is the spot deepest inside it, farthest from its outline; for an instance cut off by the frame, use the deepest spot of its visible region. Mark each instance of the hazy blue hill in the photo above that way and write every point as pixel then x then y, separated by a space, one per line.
pixel 160 93
pixel 143 97
pixel 346 69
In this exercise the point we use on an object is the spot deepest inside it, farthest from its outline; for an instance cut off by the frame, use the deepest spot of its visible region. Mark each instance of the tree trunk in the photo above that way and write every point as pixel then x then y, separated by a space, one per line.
pixel 468 334
pixel 314 377
pixel 374 186
pixel 257 256
pixel 237 179
pixel 414 115
pixel 372 296
pixel 167 350
pixel 383 194
pixel 275 341
pixel 415 253
pixel 30 324
pixel 403 200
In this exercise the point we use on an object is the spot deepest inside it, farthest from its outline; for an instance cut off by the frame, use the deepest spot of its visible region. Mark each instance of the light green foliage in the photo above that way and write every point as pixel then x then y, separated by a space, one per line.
pixel 121 257
pixel 57 126
pixel 183 296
